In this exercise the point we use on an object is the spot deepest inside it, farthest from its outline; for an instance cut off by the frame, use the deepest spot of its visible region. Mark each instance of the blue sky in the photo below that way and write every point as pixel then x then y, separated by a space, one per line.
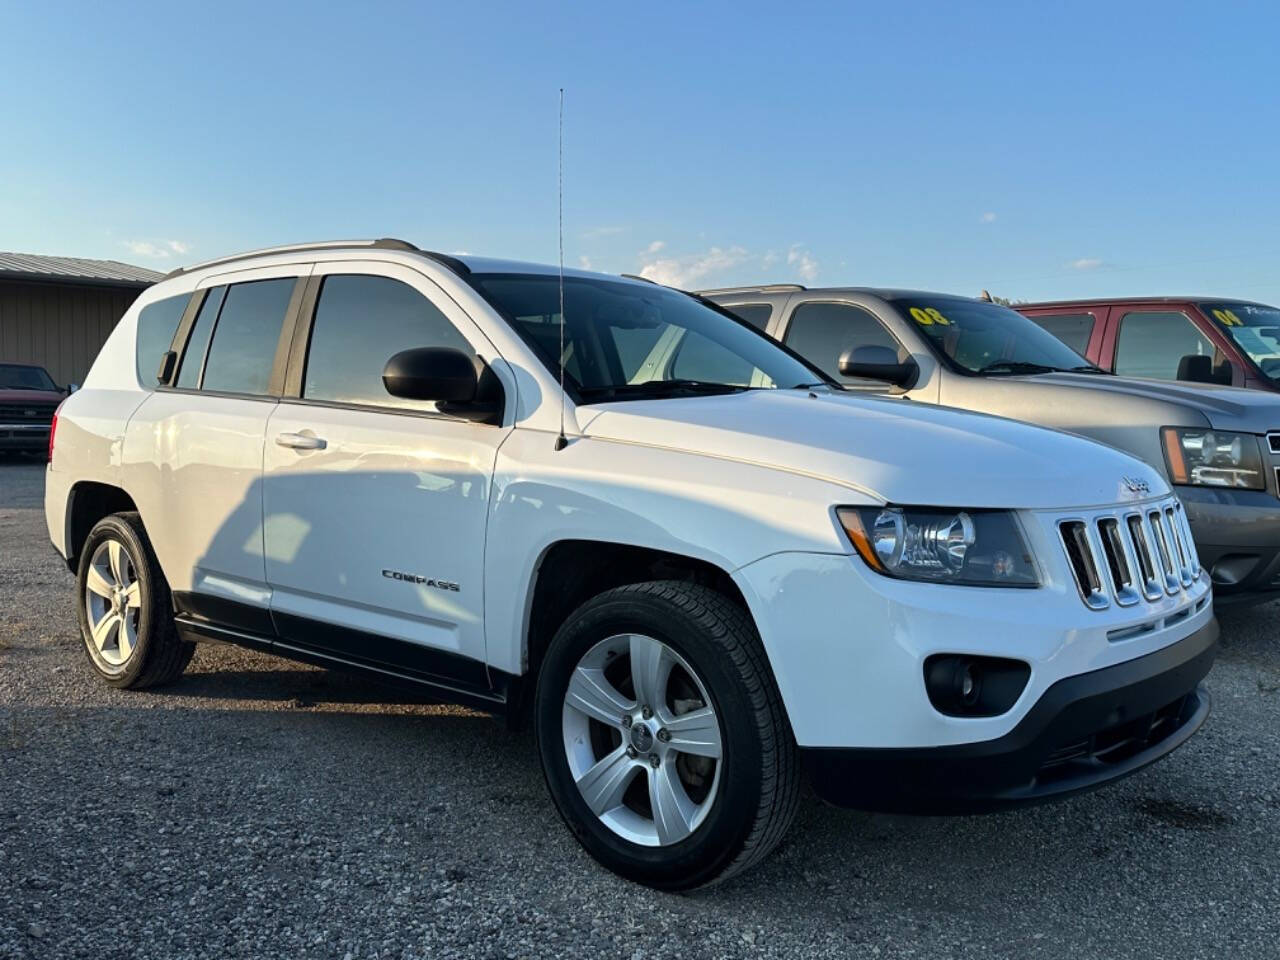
pixel 1034 149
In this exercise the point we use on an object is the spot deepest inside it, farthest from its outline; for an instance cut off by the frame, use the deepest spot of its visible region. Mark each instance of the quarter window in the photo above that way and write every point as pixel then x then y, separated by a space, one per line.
pixel 1073 329
pixel 361 322
pixel 157 323
pixel 822 332
pixel 245 337
pixel 1153 345
pixel 756 314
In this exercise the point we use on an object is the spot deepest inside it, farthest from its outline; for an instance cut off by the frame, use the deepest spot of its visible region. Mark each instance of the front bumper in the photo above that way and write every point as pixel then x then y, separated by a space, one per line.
pixel 24 436
pixel 1237 535
pixel 1083 732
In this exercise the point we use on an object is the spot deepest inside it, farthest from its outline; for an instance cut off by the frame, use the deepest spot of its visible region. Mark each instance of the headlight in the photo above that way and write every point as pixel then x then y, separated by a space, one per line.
pixel 1212 458
pixel 981 548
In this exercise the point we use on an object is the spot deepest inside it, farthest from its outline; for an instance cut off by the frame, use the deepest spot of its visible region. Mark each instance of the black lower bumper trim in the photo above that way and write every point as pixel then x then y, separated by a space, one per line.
pixel 1084 732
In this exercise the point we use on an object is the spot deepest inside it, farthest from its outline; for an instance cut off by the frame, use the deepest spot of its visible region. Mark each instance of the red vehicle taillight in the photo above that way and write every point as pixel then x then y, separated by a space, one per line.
pixel 53 428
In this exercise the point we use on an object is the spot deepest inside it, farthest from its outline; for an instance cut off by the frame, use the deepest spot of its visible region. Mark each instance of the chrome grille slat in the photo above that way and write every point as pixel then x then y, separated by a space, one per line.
pixel 1184 557
pixel 1190 541
pixel 1120 561
pixel 1273 442
pixel 1082 558
pixel 1160 536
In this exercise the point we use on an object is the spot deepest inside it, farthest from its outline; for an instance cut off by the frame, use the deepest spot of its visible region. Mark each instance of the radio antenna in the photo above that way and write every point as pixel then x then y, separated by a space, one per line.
pixel 561 441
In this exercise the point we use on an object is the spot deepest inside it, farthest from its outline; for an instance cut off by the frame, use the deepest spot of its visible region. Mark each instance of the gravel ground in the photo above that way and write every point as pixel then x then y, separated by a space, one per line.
pixel 263 809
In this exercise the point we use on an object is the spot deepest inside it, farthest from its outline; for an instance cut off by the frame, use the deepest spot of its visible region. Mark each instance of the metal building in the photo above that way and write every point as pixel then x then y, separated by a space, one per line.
pixel 57 311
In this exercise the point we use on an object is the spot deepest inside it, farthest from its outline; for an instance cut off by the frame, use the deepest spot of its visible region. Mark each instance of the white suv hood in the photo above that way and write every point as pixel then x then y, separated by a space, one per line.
pixel 895 450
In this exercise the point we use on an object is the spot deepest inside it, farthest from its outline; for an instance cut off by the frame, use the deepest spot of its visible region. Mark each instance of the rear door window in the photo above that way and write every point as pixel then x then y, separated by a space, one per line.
pixel 157 323
pixel 822 332
pixel 1073 329
pixel 246 334
pixel 1153 345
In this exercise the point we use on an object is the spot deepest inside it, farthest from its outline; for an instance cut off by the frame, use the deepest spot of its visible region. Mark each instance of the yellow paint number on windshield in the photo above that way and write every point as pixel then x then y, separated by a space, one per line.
pixel 1227 318
pixel 928 316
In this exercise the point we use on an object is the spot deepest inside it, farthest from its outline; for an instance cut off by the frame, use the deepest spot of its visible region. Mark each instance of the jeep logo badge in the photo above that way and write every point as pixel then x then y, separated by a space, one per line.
pixel 1135 485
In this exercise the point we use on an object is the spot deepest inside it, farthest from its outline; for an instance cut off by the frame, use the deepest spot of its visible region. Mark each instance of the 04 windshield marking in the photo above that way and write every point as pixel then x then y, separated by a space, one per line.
pixel 1254 328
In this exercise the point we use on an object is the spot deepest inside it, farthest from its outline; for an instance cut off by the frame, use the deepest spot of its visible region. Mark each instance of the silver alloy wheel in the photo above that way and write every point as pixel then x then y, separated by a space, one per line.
pixel 113 600
pixel 635 708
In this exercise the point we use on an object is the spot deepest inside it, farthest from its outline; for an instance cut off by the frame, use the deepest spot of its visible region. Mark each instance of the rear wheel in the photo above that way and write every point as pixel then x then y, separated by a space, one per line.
pixel 126 614
pixel 662 735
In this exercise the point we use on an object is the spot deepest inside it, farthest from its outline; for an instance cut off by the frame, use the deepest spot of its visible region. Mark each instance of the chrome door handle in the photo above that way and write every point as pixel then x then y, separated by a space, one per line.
pixel 300 441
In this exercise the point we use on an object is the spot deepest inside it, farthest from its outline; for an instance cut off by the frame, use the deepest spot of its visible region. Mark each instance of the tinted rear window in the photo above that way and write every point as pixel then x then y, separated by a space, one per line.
pixel 157 323
pixel 1073 329
pixel 243 348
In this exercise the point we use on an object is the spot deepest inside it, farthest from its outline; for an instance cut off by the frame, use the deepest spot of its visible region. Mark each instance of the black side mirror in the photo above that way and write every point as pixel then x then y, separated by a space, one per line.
pixel 431 373
pixel 879 363
pixel 168 361
pixel 72 388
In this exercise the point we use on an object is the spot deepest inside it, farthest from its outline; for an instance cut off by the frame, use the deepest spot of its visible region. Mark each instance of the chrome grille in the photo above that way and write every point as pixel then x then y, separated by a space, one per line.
pixel 1128 556
pixel 1273 442
pixel 40 411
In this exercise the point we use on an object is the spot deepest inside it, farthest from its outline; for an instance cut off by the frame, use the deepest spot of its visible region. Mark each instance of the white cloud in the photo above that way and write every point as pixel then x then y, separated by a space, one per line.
pixel 803 262
pixel 687 272
pixel 157 249
pixel 655 247
pixel 1085 263
pixel 145 248
pixel 584 262
pixel 595 233
pixel 987 217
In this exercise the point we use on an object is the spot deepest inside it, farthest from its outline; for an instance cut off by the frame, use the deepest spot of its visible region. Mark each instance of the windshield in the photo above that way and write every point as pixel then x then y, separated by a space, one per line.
pixel 988 339
pixel 1254 328
pixel 16 376
pixel 632 340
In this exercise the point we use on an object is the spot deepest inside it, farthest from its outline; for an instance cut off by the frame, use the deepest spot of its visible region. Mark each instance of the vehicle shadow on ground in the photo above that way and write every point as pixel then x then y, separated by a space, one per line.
pixel 286 683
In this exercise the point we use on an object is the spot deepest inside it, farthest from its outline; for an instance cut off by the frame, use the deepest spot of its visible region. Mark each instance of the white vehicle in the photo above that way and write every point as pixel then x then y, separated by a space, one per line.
pixel 724 569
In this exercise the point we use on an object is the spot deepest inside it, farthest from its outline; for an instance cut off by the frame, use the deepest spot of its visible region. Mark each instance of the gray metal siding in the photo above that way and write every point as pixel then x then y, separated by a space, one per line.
pixel 60 327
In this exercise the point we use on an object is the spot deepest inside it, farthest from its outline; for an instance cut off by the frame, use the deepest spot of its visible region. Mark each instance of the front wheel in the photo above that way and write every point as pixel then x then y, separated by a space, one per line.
pixel 663 738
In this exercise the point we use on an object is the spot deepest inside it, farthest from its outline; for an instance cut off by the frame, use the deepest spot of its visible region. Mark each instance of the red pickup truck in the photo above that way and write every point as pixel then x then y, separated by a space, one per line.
pixel 28 399
pixel 1202 340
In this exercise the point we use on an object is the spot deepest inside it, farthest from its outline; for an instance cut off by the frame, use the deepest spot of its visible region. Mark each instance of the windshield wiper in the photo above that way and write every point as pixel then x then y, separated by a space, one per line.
pixel 1087 368
pixel 659 388
pixel 1016 366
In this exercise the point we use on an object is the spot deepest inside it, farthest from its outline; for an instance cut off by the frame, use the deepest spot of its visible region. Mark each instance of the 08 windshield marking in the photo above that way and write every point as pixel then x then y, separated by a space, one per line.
pixel 626 340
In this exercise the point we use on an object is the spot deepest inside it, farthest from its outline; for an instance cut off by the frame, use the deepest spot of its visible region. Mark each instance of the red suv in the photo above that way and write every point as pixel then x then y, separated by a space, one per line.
pixel 1229 342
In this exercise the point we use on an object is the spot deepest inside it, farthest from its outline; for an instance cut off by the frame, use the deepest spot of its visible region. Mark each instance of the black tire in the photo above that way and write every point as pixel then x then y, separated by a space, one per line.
pixel 159 655
pixel 759 782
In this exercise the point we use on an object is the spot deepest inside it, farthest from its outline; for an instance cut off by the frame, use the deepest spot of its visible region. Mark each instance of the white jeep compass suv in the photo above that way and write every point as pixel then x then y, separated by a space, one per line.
pixel 721 570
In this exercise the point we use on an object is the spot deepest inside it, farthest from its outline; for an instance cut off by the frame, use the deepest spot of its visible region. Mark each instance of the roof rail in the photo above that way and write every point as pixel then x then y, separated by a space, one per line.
pixel 385 243
pixel 767 288
pixel 636 276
